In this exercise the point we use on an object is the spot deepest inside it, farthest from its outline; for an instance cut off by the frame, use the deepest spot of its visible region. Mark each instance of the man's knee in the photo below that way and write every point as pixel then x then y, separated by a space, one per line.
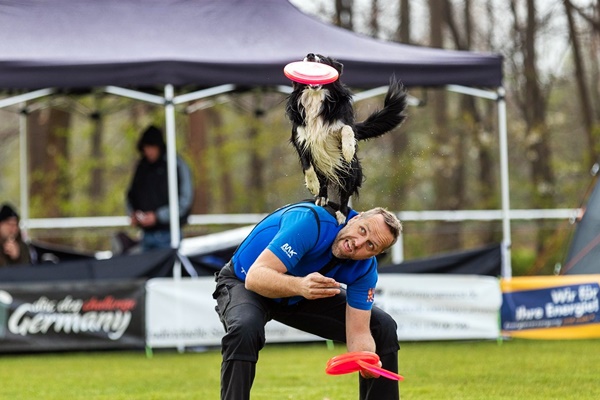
pixel 245 337
pixel 384 330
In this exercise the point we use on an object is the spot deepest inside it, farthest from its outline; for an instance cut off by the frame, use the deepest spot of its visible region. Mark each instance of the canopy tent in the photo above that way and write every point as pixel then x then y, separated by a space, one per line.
pixel 129 47
pixel 584 249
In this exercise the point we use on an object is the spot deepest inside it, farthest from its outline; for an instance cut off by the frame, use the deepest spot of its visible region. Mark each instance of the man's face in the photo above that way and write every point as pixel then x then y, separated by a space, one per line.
pixel 9 228
pixel 151 152
pixel 362 238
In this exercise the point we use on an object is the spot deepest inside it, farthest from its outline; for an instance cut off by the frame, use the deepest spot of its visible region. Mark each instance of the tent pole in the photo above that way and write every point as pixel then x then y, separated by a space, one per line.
pixel 172 172
pixel 23 167
pixel 503 133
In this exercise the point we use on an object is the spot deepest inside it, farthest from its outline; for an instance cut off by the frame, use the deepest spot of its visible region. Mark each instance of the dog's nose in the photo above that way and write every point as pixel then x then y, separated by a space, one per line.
pixel 310 57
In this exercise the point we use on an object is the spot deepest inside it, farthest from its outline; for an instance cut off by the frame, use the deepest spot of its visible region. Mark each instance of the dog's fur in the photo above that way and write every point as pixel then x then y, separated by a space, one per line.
pixel 325 135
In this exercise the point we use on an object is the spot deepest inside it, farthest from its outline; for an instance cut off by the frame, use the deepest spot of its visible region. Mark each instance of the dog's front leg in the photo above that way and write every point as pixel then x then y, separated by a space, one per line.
pixel 348 143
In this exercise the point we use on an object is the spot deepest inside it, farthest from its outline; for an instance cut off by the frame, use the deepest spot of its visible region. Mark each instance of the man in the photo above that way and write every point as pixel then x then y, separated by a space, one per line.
pixel 13 250
pixel 148 194
pixel 290 269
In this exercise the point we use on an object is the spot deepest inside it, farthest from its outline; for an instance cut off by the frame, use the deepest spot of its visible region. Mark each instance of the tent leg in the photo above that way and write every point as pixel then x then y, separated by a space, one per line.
pixel 172 166
pixel 502 131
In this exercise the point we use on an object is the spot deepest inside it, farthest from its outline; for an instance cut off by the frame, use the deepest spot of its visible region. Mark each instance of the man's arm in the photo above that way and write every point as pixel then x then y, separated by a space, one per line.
pixel 358 334
pixel 358 331
pixel 267 277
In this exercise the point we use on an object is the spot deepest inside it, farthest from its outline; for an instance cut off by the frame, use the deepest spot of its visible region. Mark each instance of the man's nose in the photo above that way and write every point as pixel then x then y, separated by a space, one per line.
pixel 359 242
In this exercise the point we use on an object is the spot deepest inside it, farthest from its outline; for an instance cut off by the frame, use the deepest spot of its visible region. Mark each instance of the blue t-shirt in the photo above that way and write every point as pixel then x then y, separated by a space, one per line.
pixel 303 244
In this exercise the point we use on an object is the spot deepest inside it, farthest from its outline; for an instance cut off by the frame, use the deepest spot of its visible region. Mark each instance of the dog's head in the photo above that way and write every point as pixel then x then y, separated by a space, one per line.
pixel 312 57
pixel 318 58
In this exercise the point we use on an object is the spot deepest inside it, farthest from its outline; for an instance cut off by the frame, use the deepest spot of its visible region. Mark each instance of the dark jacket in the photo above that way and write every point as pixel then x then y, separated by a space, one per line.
pixel 149 188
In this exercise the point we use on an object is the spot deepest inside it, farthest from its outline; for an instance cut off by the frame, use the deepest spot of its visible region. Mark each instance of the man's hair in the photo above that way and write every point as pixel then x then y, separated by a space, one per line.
pixel 392 222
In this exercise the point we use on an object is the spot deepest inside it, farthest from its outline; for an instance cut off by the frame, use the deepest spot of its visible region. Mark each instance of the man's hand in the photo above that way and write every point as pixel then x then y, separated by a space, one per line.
pixel 316 286
pixel 11 248
pixel 145 219
pixel 368 374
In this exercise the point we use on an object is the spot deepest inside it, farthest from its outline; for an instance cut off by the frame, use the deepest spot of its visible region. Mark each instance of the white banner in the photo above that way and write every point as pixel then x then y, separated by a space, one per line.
pixel 181 313
pixel 434 307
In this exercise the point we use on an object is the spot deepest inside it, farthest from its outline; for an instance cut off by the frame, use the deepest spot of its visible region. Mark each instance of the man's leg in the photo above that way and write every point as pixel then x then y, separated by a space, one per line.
pixel 327 318
pixel 244 315
pixel 384 331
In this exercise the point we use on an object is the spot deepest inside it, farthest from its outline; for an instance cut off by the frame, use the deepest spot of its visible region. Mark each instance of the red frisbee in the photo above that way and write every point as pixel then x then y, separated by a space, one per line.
pixel 358 361
pixel 380 371
pixel 310 73
pixel 348 362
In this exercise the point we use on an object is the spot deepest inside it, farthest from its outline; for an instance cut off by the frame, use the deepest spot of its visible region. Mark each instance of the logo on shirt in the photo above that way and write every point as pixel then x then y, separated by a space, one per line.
pixel 371 295
pixel 288 250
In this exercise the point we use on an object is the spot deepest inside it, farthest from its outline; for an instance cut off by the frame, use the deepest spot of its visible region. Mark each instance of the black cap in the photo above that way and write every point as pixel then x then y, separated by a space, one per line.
pixel 151 136
pixel 7 212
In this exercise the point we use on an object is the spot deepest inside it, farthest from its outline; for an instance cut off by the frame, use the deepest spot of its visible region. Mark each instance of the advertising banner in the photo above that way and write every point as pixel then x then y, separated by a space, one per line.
pixel 426 307
pixel 181 313
pixel 441 307
pixel 551 307
pixel 72 316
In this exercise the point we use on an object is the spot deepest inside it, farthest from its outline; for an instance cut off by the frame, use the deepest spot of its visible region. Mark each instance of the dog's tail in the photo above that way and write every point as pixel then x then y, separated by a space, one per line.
pixel 389 117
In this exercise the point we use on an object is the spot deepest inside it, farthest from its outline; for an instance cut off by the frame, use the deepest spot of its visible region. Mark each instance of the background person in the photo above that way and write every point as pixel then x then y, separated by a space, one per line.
pixel 13 250
pixel 148 193
pixel 289 269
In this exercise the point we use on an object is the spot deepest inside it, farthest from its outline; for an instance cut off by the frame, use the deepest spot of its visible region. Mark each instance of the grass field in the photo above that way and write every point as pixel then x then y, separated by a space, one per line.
pixel 516 369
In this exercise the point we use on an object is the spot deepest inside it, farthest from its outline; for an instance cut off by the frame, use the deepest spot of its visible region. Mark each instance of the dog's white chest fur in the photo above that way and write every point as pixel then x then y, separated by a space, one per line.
pixel 328 142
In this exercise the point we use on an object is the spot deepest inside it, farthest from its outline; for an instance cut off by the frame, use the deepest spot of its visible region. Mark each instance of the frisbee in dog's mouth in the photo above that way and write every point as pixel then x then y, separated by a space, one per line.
pixel 310 73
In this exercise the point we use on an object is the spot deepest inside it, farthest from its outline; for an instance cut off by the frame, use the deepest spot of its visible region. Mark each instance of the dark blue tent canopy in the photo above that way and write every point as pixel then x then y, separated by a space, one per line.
pixel 204 43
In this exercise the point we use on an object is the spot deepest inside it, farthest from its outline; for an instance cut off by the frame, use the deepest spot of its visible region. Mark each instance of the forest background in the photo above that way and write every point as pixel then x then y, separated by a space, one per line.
pixel 81 146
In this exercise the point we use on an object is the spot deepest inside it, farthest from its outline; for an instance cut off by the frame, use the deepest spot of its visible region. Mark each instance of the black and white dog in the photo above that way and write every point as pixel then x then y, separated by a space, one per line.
pixel 325 135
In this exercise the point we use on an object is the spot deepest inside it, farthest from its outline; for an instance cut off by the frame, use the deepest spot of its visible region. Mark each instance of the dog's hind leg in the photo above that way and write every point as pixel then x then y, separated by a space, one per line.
pixel 322 198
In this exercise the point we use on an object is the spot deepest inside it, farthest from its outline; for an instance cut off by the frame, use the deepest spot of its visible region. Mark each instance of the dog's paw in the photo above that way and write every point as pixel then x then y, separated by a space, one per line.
pixel 348 143
pixel 311 181
pixel 341 218
pixel 321 201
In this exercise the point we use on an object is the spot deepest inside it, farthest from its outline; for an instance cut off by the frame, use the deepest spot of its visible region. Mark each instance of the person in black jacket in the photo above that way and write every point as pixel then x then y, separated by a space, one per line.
pixel 13 249
pixel 148 193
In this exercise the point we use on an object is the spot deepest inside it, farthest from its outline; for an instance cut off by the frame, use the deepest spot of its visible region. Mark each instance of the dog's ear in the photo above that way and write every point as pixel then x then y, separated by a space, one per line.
pixel 338 66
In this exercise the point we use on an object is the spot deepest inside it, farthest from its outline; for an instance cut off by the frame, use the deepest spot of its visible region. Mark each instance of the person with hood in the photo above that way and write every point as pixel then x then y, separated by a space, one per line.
pixel 148 193
pixel 13 250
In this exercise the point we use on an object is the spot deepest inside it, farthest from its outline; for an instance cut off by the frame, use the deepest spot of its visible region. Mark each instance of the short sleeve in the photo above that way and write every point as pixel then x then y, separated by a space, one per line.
pixel 361 293
pixel 298 234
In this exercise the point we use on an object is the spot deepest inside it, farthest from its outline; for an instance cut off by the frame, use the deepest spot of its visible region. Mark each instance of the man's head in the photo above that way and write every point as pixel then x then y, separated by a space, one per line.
pixel 151 144
pixel 9 222
pixel 367 234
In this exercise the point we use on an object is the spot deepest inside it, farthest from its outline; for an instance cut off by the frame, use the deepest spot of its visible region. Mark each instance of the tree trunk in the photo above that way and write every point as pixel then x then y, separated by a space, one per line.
pixel 48 162
pixel 198 144
pixel 96 189
pixel 584 97
pixel 448 157
pixel 343 14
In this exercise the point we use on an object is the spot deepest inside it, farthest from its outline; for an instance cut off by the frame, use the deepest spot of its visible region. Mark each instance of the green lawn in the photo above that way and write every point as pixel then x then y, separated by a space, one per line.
pixel 517 369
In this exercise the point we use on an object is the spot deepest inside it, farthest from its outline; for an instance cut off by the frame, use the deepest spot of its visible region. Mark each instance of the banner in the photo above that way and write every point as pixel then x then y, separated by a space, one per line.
pixel 72 316
pixel 551 307
pixel 181 313
pixel 441 307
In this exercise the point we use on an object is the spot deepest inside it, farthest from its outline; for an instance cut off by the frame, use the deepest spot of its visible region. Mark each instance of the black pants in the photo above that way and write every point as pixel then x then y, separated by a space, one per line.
pixel 244 315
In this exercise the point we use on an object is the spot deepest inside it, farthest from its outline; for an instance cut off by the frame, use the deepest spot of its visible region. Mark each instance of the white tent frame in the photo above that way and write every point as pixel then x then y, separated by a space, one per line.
pixel 169 101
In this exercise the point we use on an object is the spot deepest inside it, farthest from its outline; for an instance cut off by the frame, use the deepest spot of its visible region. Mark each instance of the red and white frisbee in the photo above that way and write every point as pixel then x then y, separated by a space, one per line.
pixel 359 361
pixel 310 73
